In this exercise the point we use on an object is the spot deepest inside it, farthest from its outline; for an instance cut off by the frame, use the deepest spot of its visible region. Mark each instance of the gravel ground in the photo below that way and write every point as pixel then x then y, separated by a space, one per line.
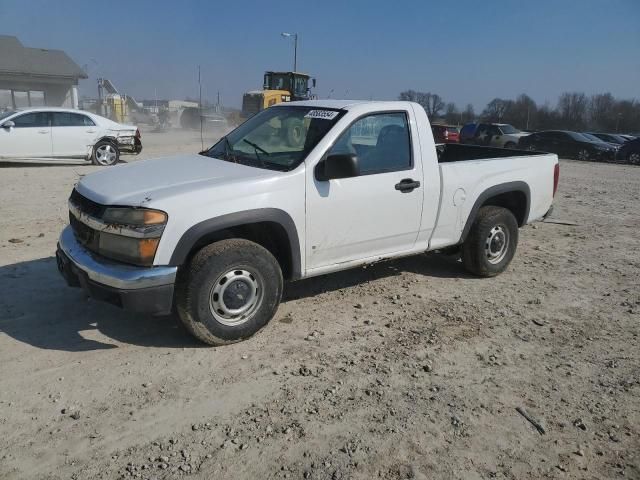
pixel 406 369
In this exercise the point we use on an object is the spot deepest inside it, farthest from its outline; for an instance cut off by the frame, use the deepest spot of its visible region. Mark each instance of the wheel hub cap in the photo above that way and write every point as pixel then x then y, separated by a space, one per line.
pixel 235 295
pixel 106 154
pixel 496 244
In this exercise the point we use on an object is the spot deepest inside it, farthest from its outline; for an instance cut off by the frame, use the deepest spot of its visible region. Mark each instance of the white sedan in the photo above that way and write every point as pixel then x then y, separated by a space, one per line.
pixel 62 134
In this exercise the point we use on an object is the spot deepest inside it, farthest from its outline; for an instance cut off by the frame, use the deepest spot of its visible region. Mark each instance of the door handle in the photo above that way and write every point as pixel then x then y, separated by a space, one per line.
pixel 407 185
pixel 43 131
pixel 91 131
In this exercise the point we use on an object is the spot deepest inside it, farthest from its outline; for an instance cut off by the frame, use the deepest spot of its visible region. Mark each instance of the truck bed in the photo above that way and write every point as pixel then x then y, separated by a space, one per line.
pixel 456 152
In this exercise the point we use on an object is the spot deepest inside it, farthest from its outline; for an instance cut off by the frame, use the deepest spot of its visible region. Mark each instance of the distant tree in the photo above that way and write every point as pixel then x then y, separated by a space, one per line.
pixel 572 108
pixel 469 114
pixel 496 110
pixel 547 118
pixel 408 96
pixel 602 112
pixel 451 114
pixel 431 102
pixel 522 112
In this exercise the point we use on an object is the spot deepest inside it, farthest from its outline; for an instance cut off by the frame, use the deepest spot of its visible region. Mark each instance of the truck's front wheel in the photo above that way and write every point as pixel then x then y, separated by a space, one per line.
pixel 229 291
pixel 491 243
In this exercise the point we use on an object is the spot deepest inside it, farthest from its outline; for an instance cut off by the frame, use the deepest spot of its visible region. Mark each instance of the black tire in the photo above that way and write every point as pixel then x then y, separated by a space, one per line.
pixel 197 284
pixel 105 153
pixel 484 239
pixel 633 158
pixel 583 155
pixel 510 145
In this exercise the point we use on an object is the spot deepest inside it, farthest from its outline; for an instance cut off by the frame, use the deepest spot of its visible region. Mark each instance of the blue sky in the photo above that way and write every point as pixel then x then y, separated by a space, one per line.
pixel 467 51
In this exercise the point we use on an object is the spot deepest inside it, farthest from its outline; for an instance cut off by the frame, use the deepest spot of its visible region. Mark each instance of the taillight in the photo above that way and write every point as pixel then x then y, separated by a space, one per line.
pixel 556 178
pixel 446 134
pixel 138 133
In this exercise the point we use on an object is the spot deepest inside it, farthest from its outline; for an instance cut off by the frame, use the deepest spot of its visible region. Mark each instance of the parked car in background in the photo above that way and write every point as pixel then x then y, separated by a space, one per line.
pixel 492 135
pixel 445 133
pixel 630 152
pixel 610 137
pixel 467 132
pixel 568 144
pixel 62 134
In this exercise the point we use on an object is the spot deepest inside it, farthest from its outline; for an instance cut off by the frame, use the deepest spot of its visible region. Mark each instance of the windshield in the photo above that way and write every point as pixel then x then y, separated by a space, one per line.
pixel 592 138
pixel 278 138
pixel 579 137
pixel 508 129
pixel 6 114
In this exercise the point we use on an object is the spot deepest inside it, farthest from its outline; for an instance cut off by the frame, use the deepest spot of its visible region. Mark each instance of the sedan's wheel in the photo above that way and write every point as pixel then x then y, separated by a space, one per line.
pixel 532 148
pixel 634 158
pixel 229 291
pixel 510 145
pixel 105 153
pixel 491 242
pixel 583 155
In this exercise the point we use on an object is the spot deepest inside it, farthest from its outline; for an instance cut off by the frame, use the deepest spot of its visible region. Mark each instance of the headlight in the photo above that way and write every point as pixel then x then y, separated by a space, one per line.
pixel 131 235
pixel 134 216
pixel 139 251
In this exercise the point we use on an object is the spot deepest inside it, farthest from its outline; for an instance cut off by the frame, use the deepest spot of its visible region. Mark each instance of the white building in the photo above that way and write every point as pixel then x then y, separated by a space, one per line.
pixel 34 77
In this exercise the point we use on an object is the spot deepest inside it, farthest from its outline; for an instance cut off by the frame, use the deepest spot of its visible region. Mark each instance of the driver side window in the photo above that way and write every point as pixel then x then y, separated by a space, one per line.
pixel 381 141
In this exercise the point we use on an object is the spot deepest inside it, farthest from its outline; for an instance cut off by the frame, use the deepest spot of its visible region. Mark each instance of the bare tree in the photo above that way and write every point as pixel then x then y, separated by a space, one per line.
pixel 431 102
pixel 469 114
pixel 572 108
pixel 451 114
pixel 496 110
pixel 521 112
pixel 603 112
pixel 408 96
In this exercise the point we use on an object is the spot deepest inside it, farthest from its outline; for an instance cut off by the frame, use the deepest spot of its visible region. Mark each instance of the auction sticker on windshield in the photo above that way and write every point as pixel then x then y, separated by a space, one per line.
pixel 323 114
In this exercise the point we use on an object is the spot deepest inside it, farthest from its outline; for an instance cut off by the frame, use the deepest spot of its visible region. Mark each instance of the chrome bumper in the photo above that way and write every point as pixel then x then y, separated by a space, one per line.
pixel 113 274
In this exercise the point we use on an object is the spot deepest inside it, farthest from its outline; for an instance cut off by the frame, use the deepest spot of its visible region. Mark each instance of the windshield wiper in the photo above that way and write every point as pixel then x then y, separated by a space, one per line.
pixel 228 150
pixel 256 148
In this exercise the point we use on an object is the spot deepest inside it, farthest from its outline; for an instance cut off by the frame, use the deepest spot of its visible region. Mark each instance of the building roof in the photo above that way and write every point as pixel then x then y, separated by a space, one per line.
pixel 16 59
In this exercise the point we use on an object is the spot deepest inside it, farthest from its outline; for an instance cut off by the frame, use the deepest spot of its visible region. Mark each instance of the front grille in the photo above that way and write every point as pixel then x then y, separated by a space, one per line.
pixel 251 104
pixel 85 235
pixel 85 205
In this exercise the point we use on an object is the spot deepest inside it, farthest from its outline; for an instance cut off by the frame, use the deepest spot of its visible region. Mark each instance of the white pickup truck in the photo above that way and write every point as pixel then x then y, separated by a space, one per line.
pixel 299 190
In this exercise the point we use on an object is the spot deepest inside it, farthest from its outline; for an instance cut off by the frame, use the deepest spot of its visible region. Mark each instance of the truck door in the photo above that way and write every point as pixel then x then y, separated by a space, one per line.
pixel 375 213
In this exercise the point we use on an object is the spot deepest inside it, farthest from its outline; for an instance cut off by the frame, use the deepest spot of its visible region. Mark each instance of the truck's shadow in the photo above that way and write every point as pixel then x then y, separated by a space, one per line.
pixel 37 307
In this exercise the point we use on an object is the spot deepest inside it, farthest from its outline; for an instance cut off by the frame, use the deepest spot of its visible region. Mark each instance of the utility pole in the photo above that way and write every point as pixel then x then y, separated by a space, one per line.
pixel 295 48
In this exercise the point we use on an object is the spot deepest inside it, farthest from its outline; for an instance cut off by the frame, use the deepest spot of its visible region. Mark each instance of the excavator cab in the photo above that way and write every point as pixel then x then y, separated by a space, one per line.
pixel 277 87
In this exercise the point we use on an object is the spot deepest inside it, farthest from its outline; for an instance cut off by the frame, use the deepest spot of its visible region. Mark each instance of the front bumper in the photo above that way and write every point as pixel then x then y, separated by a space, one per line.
pixel 138 289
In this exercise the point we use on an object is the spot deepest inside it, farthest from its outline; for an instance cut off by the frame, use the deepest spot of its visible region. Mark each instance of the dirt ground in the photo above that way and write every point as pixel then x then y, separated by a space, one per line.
pixel 406 369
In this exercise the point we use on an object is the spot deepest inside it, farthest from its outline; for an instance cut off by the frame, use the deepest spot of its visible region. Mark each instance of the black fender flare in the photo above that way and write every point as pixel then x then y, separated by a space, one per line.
pixel 198 231
pixel 518 186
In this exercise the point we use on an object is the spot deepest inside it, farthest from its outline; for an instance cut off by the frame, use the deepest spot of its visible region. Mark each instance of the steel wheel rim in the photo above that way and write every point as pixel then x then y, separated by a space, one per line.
pixel 105 154
pixel 583 155
pixel 235 296
pixel 634 158
pixel 497 244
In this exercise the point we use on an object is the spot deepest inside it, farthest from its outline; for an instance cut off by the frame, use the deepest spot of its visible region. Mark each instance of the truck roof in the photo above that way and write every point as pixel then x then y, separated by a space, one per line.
pixel 339 104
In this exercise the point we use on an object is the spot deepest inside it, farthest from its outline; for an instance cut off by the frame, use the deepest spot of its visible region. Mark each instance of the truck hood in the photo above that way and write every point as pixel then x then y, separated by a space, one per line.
pixel 143 182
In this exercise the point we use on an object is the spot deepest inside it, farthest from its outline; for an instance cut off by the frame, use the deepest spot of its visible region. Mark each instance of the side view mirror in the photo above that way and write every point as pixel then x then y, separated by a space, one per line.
pixel 338 166
pixel 8 124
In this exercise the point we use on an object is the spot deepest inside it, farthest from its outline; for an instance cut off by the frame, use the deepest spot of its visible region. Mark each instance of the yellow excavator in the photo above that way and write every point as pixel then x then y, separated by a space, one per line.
pixel 278 87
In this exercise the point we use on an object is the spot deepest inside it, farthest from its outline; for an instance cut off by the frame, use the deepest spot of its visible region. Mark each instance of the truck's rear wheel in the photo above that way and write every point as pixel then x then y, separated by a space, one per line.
pixel 229 291
pixel 491 243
